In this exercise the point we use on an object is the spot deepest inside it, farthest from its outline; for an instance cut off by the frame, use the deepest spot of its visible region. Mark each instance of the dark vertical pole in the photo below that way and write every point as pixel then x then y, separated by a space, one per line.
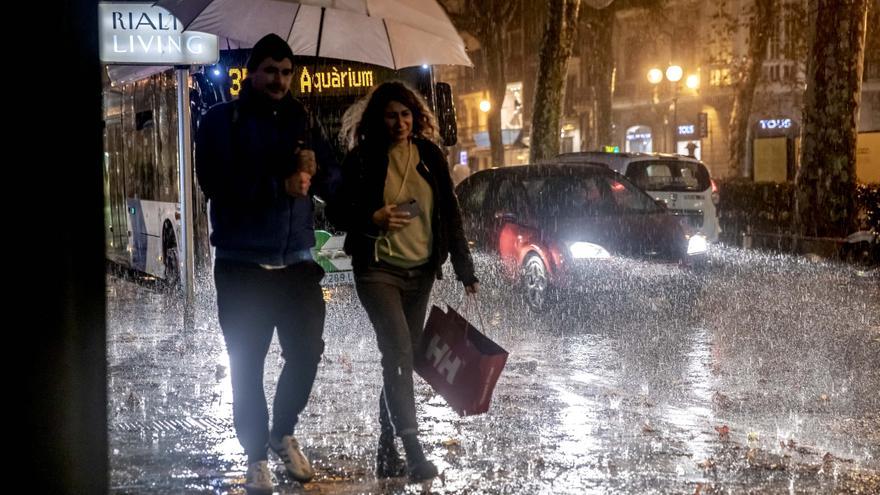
pixel 64 339
pixel 675 118
pixel 185 173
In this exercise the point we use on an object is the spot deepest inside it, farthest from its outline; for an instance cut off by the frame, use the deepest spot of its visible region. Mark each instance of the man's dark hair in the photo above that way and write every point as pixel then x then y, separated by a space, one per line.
pixel 272 46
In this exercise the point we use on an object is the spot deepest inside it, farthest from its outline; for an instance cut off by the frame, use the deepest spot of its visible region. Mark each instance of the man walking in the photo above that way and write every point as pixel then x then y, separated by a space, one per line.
pixel 257 160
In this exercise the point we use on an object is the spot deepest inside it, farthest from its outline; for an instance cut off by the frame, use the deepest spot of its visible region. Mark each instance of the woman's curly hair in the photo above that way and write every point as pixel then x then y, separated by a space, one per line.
pixel 364 122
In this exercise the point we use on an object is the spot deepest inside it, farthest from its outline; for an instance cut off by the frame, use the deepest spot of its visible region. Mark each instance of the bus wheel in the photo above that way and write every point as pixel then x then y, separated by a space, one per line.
pixel 172 263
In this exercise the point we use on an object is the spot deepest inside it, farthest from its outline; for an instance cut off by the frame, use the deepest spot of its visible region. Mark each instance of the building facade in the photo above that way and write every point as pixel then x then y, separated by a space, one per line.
pixel 709 41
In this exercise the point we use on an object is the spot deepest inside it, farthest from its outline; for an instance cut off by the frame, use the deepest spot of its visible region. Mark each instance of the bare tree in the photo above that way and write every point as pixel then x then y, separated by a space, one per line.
pixel 825 185
pixel 597 62
pixel 747 74
pixel 556 46
pixel 794 24
pixel 488 21
pixel 595 41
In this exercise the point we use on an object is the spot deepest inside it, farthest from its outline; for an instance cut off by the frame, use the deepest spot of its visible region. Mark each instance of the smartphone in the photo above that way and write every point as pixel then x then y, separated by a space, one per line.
pixel 411 207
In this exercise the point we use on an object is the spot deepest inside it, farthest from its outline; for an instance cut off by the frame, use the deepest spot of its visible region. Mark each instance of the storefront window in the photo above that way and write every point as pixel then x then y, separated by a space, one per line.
pixel 639 139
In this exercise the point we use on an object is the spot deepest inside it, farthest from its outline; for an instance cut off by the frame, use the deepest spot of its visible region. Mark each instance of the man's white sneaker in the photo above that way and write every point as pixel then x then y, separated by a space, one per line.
pixel 259 478
pixel 294 460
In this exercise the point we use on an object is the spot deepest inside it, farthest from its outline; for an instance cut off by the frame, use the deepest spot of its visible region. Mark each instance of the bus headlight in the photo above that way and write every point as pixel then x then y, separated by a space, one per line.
pixel 697 244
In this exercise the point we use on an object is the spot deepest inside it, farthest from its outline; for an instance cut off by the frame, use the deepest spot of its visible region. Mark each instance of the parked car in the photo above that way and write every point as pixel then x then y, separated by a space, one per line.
pixel 682 182
pixel 546 222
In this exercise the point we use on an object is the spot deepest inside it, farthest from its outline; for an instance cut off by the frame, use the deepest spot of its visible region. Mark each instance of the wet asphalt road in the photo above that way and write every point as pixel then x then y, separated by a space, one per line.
pixel 759 374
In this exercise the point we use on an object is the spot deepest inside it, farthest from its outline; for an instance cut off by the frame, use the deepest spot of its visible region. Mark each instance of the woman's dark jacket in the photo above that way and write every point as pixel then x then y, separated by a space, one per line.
pixel 361 193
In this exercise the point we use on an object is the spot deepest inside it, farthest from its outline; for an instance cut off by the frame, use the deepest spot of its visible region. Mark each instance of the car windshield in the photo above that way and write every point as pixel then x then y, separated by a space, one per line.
pixel 585 195
pixel 669 175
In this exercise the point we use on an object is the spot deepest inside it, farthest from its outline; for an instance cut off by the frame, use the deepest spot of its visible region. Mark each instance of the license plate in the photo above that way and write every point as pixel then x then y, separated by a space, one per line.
pixel 338 278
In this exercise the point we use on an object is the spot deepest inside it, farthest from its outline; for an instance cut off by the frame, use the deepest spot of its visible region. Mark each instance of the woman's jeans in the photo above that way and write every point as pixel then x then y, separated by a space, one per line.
pixel 396 300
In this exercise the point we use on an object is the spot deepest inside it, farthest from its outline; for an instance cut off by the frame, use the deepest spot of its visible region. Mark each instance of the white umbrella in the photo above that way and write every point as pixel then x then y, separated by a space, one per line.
pixel 396 34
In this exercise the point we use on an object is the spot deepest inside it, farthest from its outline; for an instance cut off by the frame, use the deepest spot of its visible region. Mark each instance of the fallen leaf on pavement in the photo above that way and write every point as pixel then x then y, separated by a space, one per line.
pixel 707 463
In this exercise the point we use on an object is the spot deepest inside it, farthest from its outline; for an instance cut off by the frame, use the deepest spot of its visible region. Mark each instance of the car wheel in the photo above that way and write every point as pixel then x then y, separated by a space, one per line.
pixel 535 283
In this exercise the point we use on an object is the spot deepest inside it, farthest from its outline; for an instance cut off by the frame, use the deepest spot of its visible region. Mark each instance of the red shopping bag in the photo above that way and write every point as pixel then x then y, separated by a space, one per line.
pixel 459 362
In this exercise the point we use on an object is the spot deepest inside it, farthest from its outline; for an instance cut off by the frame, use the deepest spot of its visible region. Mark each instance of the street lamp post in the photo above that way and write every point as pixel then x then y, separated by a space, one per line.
pixel 673 74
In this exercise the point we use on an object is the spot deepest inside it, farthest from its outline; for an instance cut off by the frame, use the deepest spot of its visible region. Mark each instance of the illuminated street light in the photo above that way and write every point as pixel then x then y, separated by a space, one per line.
pixel 674 73
pixel 485 106
pixel 655 76
pixel 693 82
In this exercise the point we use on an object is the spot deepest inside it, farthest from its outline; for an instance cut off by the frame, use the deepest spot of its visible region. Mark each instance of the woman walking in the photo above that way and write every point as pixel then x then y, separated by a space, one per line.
pixel 397 206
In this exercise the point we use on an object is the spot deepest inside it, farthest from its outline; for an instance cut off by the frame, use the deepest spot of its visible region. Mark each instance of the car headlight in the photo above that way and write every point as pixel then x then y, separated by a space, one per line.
pixel 587 250
pixel 697 244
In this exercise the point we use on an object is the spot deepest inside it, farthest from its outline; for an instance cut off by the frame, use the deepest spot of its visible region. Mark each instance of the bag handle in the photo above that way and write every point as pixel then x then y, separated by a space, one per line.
pixel 479 310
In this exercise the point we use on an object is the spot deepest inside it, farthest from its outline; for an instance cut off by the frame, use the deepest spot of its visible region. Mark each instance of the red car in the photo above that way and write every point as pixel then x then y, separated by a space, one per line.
pixel 548 221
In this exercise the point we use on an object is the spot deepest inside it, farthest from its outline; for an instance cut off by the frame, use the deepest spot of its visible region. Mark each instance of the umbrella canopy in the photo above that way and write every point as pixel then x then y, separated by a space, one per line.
pixel 389 33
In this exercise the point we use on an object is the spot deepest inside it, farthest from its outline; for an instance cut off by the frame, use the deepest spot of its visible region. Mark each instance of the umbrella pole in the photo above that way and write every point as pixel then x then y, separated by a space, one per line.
pixel 184 147
pixel 433 89
pixel 320 33
pixel 318 47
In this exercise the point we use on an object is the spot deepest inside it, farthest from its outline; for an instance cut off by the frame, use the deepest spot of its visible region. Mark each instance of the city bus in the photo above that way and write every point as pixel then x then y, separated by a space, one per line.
pixel 141 183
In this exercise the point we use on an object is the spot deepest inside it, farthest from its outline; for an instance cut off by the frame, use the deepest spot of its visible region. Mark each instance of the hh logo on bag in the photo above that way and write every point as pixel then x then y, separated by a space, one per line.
pixel 442 360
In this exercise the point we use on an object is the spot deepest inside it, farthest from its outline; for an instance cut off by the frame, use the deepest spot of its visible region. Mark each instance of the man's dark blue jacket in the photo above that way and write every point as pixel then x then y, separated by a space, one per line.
pixel 244 150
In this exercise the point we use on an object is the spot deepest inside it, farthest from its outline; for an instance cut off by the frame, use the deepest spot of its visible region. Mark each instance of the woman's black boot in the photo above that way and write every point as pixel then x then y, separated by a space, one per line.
pixel 417 466
pixel 389 464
